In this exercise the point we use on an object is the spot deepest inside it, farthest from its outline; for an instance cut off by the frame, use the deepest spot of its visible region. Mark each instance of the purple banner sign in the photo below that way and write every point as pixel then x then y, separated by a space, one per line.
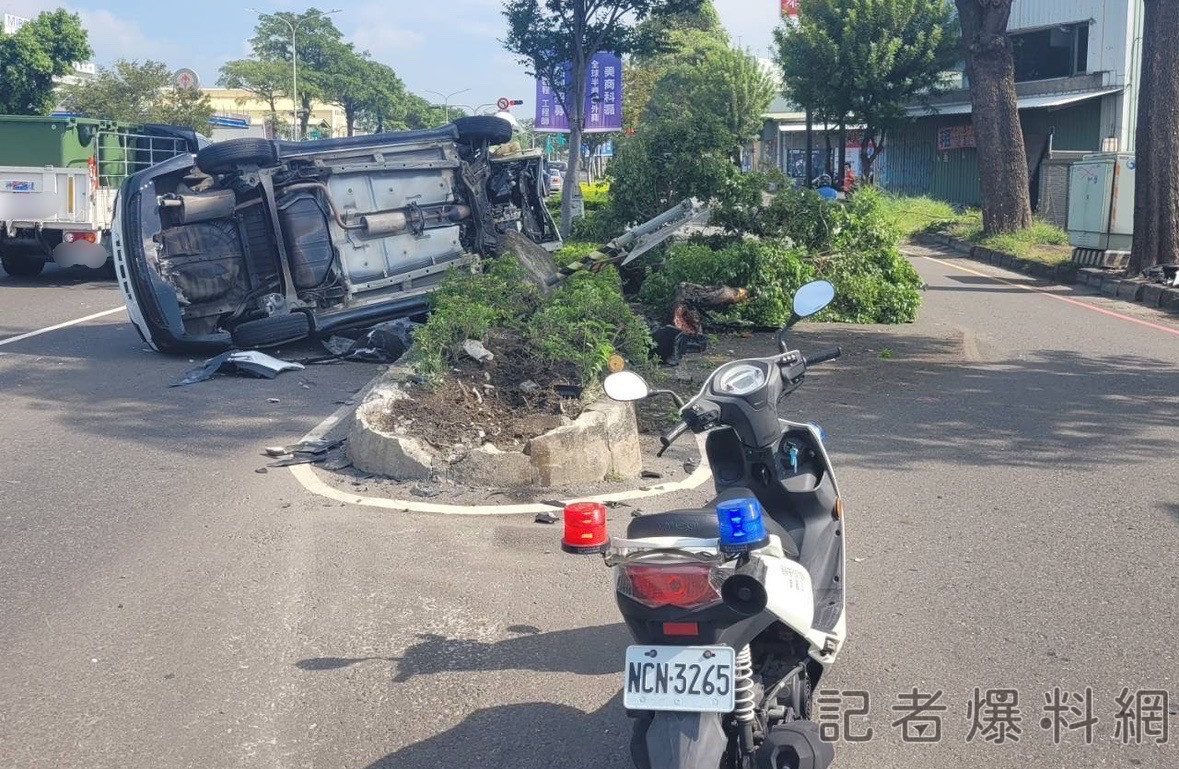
pixel 603 99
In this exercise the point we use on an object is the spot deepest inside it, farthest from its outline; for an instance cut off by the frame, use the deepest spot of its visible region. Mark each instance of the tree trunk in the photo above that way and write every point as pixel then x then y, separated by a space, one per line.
pixel 576 110
pixel 839 174
pixel 1002 159
pixel 1156 194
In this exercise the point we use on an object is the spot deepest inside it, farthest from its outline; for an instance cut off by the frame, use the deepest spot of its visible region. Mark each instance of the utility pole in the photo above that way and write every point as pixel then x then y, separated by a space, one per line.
pixel 294 27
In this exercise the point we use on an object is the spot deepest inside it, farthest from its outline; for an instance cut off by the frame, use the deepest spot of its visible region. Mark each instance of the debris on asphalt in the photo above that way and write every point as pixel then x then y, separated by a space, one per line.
pixel 273 400
pixel 383 343
pixel 690 466
pixel 1167 274
pixel 316 447
pixel 243 362
pixel 425 491
pixel 262 471
pixel 651 474
pixel 336 464
pixel 475 349
pixel 546 517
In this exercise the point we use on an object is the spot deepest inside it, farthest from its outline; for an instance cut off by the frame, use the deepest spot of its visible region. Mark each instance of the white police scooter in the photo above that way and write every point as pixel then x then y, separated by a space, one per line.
pixel 736 608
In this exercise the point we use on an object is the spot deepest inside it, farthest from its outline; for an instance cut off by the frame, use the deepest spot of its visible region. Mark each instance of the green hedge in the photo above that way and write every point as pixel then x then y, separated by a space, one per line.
pixel 583 322
pixel 798 237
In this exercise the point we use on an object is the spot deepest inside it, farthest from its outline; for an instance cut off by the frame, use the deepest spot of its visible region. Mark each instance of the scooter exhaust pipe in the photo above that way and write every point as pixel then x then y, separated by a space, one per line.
pixel 795 745
pixel 745 591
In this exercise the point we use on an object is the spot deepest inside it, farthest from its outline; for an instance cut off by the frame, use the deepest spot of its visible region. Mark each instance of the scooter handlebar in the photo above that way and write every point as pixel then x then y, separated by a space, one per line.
pixel 822 357
pixel 671 437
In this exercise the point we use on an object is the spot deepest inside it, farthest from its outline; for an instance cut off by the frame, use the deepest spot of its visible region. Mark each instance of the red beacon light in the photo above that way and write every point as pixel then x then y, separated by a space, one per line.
pixel 585 529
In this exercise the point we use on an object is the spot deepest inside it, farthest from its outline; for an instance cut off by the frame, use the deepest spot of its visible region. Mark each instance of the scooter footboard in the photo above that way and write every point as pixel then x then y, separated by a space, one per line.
pixel 667 740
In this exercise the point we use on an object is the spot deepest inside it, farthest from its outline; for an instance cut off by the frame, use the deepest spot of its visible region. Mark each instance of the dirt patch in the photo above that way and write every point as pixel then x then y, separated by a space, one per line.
pixel 506 402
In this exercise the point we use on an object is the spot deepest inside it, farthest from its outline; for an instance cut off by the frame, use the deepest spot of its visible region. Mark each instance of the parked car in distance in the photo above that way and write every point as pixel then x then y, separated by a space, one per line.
pixel 255 243
pixel 555 180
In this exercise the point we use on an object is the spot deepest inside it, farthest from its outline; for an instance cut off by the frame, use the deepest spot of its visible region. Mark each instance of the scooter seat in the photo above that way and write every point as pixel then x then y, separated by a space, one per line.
pixel 701 523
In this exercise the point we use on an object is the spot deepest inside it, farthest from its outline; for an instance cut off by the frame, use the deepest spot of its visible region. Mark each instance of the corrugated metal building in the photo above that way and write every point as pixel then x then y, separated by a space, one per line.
pixel 1077 66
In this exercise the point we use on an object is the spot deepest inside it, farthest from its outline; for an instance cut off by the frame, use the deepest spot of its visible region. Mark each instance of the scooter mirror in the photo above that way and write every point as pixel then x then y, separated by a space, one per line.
pixel 812 298
pixel 626 386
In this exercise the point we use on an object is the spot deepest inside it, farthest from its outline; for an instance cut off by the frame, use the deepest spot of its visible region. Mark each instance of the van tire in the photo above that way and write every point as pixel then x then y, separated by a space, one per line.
pixel 272 331
pixel 21 265
pixel 476 129
pixel 228 155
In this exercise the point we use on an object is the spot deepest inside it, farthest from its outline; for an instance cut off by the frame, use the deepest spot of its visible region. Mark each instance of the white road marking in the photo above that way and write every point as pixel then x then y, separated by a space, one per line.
pixel 67 324
pixel 312 482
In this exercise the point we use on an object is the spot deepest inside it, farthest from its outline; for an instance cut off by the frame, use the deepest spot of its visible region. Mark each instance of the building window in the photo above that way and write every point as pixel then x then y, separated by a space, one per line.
pixel 1061 51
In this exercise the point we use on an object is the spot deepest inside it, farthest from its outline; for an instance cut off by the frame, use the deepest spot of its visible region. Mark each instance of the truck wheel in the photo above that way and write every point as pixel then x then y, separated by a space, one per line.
pixel 476 129
pixel 22 265
pixel 226 156
pixel 272 331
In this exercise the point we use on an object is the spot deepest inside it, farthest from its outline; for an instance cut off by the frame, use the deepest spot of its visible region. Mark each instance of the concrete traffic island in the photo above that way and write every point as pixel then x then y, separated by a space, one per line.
pixel 601 444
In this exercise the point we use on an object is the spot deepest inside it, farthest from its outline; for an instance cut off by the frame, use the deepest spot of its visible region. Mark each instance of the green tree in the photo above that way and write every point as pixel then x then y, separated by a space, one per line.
pixel 384 106
pixel 320 47
pixel 667 40
pixel 699 115
pixel 267 80
pixel 552 35
pixel 135 92
pixel 867 61
pixel 32 58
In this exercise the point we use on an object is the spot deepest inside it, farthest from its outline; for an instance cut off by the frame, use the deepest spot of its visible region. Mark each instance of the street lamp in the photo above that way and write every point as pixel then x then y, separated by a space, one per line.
pixel 446 97
pixel 315 13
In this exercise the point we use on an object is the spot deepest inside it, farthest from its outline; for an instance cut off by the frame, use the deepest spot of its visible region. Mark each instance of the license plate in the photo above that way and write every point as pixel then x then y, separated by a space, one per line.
pixel 693 679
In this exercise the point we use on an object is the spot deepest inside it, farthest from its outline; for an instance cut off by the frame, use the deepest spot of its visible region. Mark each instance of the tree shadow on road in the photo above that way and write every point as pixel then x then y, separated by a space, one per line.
pixel 536 735
pixel 100 379
pixel 589 651
pixel 939 399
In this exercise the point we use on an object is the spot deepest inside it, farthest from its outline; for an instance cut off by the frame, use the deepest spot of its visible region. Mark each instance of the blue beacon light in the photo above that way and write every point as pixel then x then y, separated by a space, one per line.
pixel 741 526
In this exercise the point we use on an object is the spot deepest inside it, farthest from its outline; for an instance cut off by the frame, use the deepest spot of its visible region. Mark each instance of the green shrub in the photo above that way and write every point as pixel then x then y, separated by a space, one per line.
pixel 467 306
pixel 583 322
pixel 596 196
pixel 587 320
pixel 800 237
pixel 771 270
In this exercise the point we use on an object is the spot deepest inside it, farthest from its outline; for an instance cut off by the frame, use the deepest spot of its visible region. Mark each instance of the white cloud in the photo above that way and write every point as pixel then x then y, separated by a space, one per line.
pixel 113 37
pixel 750 22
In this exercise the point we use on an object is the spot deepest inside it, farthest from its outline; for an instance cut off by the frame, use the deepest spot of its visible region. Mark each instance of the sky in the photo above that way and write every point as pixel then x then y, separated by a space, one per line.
pixel 434 45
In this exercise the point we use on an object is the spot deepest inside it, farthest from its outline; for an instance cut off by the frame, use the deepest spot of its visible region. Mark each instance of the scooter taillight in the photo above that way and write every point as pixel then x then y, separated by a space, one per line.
pixel 684 585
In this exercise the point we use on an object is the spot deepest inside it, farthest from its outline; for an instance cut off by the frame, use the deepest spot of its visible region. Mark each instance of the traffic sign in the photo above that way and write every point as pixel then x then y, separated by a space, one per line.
pixel 503 103
pixel 186 80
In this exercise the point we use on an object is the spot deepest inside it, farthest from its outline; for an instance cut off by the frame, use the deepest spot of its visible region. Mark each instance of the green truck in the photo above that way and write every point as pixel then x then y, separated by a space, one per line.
pixel 58 180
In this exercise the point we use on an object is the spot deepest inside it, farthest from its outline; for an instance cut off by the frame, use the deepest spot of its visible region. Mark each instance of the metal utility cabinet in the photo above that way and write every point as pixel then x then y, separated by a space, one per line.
pixel 1101 209
pixel 58 181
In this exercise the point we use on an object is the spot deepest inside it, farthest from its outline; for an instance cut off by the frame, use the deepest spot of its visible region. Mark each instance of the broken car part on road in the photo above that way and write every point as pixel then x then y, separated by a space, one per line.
pixel 255 243
pixel 245 362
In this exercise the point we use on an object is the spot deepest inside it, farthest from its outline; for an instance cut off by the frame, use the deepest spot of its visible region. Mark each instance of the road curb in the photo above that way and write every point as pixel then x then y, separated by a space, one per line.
pixel 1112 285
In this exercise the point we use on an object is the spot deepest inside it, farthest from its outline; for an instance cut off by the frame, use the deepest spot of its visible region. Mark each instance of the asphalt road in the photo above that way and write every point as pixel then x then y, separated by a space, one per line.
pixel 1013 518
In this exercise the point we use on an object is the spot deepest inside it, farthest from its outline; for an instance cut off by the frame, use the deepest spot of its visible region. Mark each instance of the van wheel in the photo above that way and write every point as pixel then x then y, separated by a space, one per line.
pixel 272 331
pixel 228 155
pixel 476 129
pixel 21 265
